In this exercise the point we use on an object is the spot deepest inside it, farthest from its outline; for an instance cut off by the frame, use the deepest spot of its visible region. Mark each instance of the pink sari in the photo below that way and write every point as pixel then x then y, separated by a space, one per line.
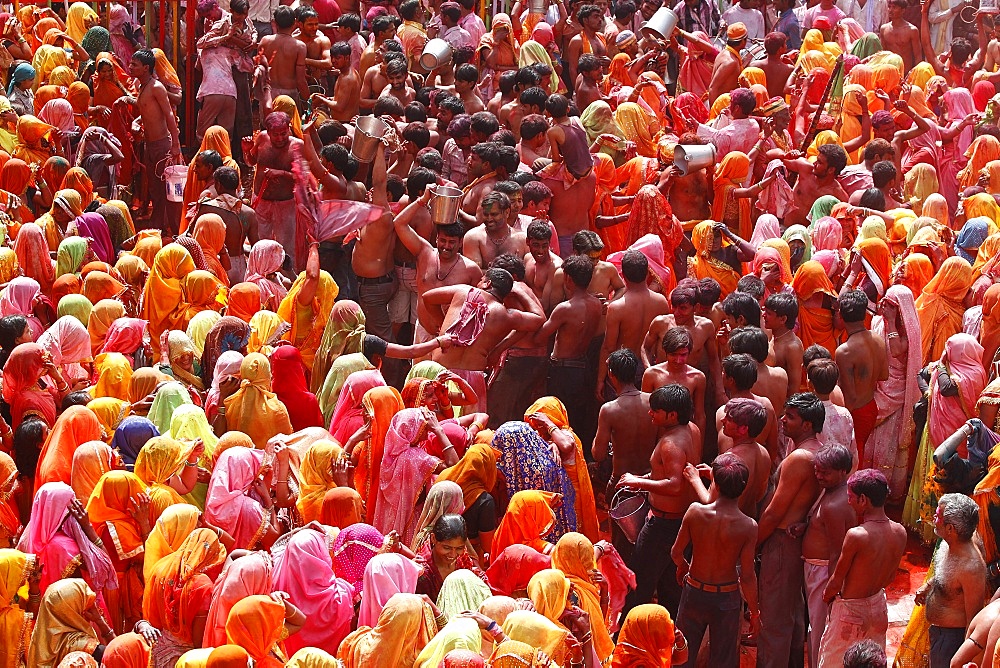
pixel 348 414
pixel 244 577
pixel 827 234
pixel 19 298
pixel 651 246
pixel 228 365
pixel 124 336
pixel 266 257
pixel 353 548
pixel 696 70
pixel 60 543
pixel 406 470
pixel 385 575
pixel 305 571
pixel 228 505
pixel 963 357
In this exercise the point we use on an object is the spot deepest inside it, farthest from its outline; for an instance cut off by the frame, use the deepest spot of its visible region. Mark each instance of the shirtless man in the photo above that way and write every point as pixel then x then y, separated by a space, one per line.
pixel 483 160
pixel 782 606
pixel 540 264
pixel 863 362
pixel 374 80
pixel 727 67
pixel 240 220
pixel 745 420
pixel 776 70
pixel 161 136
pixel 346 100
pixel 383 30
pixel 606 284
pixel 440 265
pixel 574 322
pixel 670 408
pixel 494 236
pixel 629 317
pixel 957 591
pixel 318 61
pixel 466 80
pixel 900 36
pixel 677 347
pixel 591 19
pixel 824 532
pixel 286 58
pixel 624 432
pixel 739 374
pixel 494 329
pixel 588 80
pixel 815 180
pixel 723 542
pixel 272 152
pixel 982 636
pixel 869 561
pixel 704 354
pixel 398 76
pixel 772 381
pixel 780 311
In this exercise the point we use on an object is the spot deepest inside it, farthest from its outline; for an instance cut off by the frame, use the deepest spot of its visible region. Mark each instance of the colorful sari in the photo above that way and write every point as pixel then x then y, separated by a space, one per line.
pixel 731 173
pixel 403 629
pixel 158 460
pixel 380 405
pixel 289 383
pixel 243 301
pixel 539 632
pixel 132 434
pixel 76 425
pixel 90 461
pixel 210 233
pixel 254 409
pixel 385 576
pixel 462 590
pixel 127 651
pixel 169 396
pixel 15 622
pixel 704 265
pixel 529 518
pixel 31 132
pixel 169 532
pixel 247 576
pixel 163 295
pixel 353 548
pixel 343 334
pixel 114 376
pixel 308 322
pixel 646 638
pixel 513 567
pixel 266 258
pixel 342 507
pixel 940 307
pixel 257 624
pixel 815 323
pixel 104 314
pixel 229 505
pixel 457 635
pixel 32 252
pixel 61 627
pixel 574 556
pixel 21 373
pixel 405 470
pixel 316 478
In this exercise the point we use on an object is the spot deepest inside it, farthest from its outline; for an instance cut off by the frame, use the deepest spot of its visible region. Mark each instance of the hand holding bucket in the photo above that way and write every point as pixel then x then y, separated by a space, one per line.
pixel 444 204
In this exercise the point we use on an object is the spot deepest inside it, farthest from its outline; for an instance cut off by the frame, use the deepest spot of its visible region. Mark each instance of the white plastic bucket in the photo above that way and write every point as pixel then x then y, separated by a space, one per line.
pixel 660 25
pixel 693 157
pixel 175 176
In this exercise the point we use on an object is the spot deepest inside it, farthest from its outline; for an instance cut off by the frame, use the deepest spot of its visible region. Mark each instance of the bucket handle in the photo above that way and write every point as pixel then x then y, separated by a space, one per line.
pixel 163 172
pixel 614 497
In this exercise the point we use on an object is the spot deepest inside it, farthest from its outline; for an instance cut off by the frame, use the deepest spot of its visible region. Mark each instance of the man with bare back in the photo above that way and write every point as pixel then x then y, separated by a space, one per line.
pixel 772 381
pixel 900 36
pixel 863 362
pixel 868 562
pixel 161 137
pixel 670 408
pixel 574 323
pixel 318 60
pixel 346 100
pixel 286 58
pixel 815 180
pixel 493 236
pixel 570 209
pixel 956 592
pixel 373 261
pixel 782 607
pixel 677 347
pixel 606 283
pixel 739 375
pixel 723 542
pixel 744 421
pixel 480 325
pixel 704 355
pixel 240 220
pixel 483 160
pixel 823 536
pixel 780 311
pixel 689 194
pixel 272 152
pixel 624 432
pixel 540 264
pixel 629 316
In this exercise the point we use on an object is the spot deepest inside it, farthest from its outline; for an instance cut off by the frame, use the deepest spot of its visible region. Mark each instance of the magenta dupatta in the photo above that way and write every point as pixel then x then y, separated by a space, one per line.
pixel 227 505
pixel 406 469
pixel 58 541
pixel 385 575
pixel 124 336
pixel 353 548
pixel 348 414
pixel 305 571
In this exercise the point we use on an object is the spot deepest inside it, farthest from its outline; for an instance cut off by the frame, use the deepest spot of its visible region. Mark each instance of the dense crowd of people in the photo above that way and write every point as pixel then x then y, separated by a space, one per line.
pixel 425 335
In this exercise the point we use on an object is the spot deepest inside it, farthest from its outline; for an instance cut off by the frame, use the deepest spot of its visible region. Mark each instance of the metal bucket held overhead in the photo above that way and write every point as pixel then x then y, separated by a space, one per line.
pixel 368 138
pixel 444 204
pixel 660 25
pixel 436 53
pixel 693 157
pixel 537 6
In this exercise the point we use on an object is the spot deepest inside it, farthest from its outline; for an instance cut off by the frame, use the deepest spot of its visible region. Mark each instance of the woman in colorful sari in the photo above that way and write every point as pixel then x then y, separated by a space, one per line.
pixel 316 478
pixel 239 502
pixel 178 594
pixel 649 638
pixel 76 425
pixel 254 409
pixel 307 307
pixel 462 590
pixel 708 244
pixel 22 389
pixel 266 331
pixel 159 465
pixel 90 461
pixel 983 150
pixel 498 52
pixel 956 381
pixel 182 360
pixel 972 235
pixel 202 292
pixel 259 623
pixel 110 412
pixel 227 366
pixel 34 141
pixel 243 577
pixel 99 285
pixel 32 253
pixel 549 418
pixel 73 304
pixel 264 262
pixel 460 636
pixel 210 233
pixel 109 508
pixel 168 397
pixel 68 343
pixel 385 576
pixel 528 463
pixel 342 507
pixel 216 139
pixel 66 619
pixel 347 416
pixel 574 556
pixel 539 632
pixel 289 384
pixel 511 570
pixel 71 254
pixel 638 127
pixel 405 471
pixel 103 316
pixel 199 327
pixel 530 516
pixel 941 305
pixel 353 548
pixel 228 334
pixel 15 176
pixel 173 526
pixel 114 377
pixel 128 650
pixel 163 295
pixel 443 498
pixel 816 296
pixel 446 552
pixel 79 19
pixel 15 621
pixel 343 334
pixel 548 591
pixel 243 301
pixel 305 572
pixel 403 629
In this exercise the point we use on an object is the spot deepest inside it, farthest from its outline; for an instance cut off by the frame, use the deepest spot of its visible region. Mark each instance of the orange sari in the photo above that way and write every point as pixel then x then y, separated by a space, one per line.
pixel 940 307
pixel 704 265
pixel 380 404
pixel 815 322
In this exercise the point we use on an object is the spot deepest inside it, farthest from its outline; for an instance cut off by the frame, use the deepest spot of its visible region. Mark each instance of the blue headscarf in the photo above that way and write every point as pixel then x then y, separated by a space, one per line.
pixel 130 436
pixel 527 462
pixel 22 72
pixel 971 237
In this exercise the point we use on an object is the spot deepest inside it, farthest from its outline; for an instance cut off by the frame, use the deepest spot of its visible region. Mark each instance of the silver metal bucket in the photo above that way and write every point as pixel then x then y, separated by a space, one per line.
pixel 436 53
pixel 444 204
pixel 629 511
pixel 368 138
pixel 660 25
pixel 693 157
pixel 537 6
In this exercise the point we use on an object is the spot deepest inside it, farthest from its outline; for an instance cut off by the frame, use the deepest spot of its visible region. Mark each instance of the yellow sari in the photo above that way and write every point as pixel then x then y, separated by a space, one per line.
pixel 308 322
pixel 15 623
pixel 157 461
pixel 316 478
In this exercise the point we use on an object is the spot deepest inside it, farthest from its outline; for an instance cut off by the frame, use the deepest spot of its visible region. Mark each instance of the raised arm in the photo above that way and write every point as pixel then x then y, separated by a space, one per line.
pixel 309 285
pixel 411 240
